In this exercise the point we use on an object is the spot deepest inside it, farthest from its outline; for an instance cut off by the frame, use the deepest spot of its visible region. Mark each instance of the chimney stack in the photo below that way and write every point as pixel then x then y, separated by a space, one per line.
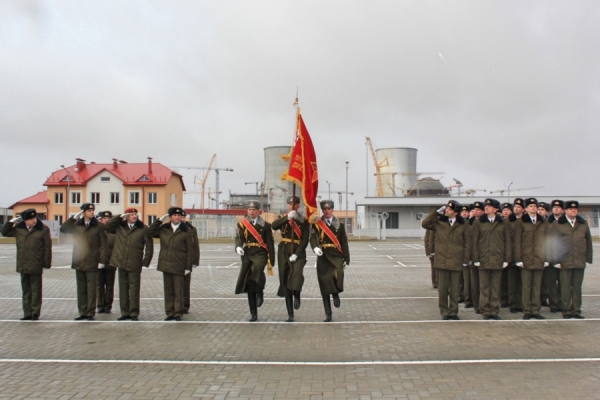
pixel 149 165
pixel 115 165
pixel 80 163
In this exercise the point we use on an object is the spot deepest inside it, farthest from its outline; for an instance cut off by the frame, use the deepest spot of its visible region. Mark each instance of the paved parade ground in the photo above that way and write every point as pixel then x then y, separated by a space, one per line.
pixel 387 339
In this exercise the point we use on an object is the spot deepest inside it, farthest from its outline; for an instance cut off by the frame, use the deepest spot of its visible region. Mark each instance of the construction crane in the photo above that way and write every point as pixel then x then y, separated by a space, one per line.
pixel 507 190
pixel 378 165
pixel 458 184
pixel 202 181
pixel 471 192
pixel 393 186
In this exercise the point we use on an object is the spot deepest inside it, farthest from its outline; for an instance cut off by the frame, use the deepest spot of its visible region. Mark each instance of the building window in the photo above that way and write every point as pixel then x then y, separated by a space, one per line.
pixel 173 199
pixel 95 198
pixel 151 219
pixel 58 218
pixel 75 197
pixel 134 197
pixel 152 196
pixel 393 221
pixel 105 179
pixel 144 179
pixel 58 198
pixel 114 197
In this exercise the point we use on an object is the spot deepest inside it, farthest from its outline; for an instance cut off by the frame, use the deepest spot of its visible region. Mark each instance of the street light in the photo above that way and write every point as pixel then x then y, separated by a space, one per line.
pixel 508 191
pixel 346 219
pixel 68 190
pixel 329 184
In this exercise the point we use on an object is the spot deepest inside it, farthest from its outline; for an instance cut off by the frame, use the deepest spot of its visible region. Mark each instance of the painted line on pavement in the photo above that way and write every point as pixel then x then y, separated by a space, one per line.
pixel 269 298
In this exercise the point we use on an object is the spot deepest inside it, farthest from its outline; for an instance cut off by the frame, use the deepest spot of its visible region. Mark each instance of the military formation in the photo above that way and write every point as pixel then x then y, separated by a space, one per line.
pixel 104 244
pixel 521 255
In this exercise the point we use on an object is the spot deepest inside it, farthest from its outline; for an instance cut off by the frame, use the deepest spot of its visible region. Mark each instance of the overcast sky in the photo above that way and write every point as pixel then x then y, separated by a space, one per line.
pixel 490 92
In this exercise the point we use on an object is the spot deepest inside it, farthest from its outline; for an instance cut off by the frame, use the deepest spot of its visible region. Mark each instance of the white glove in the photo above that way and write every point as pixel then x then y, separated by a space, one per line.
pixel 292 214
pixel 318 251
pixel 293 258
pixel 164 218
pixel 477 264
pixel 78 215
pixel 239 250
pixel 587 264
pixel 124 216
pixel 187 271
pixel 546 264
pixel 441 210
pixel 432 254
pixel 16 220
pixel 519 264
pixel 194 266
pixel 100 266
pixel 505 264
pixel 464 265
pixel 556 265
pixel 145 266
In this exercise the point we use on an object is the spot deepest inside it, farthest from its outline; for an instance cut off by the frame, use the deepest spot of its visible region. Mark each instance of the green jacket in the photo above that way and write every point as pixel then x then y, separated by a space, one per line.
pixel 492 245
pixel 89 243
pixel 133 247
pixel 34 247
pixel 176 248
pixel 330 266
pixel 429 242
pixel 574 244
pixel 451 242
pixel 530 242
pixel 196 244
pixel 110 245
pixel 282 224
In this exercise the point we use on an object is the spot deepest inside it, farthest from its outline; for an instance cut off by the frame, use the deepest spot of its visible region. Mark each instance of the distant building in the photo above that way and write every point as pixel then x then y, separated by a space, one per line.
pixel 38 201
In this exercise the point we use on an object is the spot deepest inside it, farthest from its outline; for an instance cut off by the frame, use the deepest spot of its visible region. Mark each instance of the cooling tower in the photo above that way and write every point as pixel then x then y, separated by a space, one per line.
pixel 276 189
pixel 400 160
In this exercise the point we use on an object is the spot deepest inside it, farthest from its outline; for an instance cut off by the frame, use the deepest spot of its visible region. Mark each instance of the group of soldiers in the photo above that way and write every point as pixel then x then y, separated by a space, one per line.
pixel 519 255
pixel 103 244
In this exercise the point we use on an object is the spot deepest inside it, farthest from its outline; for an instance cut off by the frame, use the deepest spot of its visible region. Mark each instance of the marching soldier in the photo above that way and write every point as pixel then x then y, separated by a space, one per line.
pixel 515 287
pixel 187 279
pixel 291 254
pixel 477 211
pixel 572 254
pixel 531 257
pixel 551 278
pixel 452 254
pixel 507 210
pixel 89 256
pixel 430 253
pixel 133 251
pixel 106 276
pixel 34 254
pixel 175 259
pixel 491 252
pixel 254 243
pixel 330 244
pixel 465 212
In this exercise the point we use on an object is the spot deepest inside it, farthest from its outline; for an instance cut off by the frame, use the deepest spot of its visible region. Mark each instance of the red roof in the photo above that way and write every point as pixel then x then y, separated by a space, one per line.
pixel 38 198
pixel 131 174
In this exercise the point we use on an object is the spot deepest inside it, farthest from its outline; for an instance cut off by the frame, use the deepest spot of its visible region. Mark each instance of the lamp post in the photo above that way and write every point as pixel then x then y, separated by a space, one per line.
pixel 68 190
pixel 508 191
pixel 346 219
pixel 329 191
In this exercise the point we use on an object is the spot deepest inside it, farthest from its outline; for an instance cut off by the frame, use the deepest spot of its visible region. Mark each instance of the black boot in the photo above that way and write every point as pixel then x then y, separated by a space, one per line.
pixel 336 300
pixel 289 304
pixel 252 306
pixel 259 299
pixel 327 305
pixel 296 300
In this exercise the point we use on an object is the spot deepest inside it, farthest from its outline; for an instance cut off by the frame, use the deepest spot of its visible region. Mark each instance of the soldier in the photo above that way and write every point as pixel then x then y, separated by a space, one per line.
pixel 515 287
pixel 106 276
pixel 477 211
pixel 572 254
pixel 133 251
pixel 291 254
pixel 531 257
pixel 89 256
pixel 187 279
pixel 491 252
pixel 330 244
pixel 543 209
pixel 175 259
pixel 430 253
pixel 465 212
pixel 452 244
pixel 551 278
pixel 34 253
pixel 254 243
pixel 507 210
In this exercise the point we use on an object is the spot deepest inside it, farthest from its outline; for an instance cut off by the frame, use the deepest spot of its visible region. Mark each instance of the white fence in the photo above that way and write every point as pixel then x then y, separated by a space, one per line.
pixel 214 226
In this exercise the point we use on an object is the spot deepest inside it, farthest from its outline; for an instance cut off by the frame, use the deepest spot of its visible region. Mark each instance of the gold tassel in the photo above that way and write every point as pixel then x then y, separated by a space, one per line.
pixel 269 268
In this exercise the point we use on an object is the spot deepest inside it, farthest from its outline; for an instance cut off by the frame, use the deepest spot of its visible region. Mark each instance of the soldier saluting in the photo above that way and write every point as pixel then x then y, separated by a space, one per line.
pixel 291 254
pixel 254 243
pixel 330 244
pixel 106 276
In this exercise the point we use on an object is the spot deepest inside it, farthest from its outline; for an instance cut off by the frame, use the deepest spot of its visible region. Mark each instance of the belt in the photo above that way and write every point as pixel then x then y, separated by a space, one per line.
pixel 325 245
pixel 286 240
pixel 252 245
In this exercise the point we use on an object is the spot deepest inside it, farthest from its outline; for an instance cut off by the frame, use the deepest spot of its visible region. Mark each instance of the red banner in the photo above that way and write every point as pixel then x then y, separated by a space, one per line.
pixel 303 167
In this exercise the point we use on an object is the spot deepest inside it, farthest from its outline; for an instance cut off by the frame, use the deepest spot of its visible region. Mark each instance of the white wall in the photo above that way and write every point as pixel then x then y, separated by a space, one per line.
pixel 105 188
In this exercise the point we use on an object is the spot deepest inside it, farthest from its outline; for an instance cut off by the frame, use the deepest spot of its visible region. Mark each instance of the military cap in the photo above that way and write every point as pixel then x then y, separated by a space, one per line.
pixel 28 214
pixel 253 204
pixel 131 210
pixel 294 199
pixel 87 206
pixel 453 205
pixel 519 202
pixel 544 205
pixel 531 200
pixel 558 203
pixel 477 204
pixel 326 204
pixel 571 204
pixel 507 205
pixel 465 208
pixel 105 214
pixel 183 213
pixel 175 210
pixel 492 202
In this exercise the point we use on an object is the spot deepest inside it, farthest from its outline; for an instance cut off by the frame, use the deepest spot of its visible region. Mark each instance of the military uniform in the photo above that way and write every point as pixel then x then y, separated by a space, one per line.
pixel 254 257
pixel 106 276
pixel 473 270
pixel 133 250
pixel 333 260
pixel 430 253
pixel 514 283
pixel 187 279
pixel 294 240
pixel 89 255
pixel 551 276
pixel 34 254
pixel 466 274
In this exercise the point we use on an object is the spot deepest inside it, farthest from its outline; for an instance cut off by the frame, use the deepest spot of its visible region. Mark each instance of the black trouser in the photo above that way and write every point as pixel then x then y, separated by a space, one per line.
pixel 467 286
pixel 551 280
pixel 87 285
pixel 571 281
pixel 515 288
pixel 475 292
pixel 532 285
pixel 106 288
pixel 449 289
pixel 129 293
pixel 490 281
pixel 187 283
pixel 32 294
pixel 173 285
